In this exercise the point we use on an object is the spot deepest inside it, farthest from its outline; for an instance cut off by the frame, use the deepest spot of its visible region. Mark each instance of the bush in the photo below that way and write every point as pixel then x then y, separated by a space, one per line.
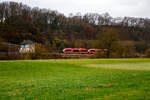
pixel 123 49
pixel 115 55
pixel 3 56
pixel 13 56
pixel 99 55
pixel 27 56
pixel 147 53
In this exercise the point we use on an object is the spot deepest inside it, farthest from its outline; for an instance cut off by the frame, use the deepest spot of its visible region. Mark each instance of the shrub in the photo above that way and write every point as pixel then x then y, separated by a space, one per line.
pixel 27 56
pixel 123 49
pixel 13 56
pixel 99 55
pixel 3 56
pixel 147 53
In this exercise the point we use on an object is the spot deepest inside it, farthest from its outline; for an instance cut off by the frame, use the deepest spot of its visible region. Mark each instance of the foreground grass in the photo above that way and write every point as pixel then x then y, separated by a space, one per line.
pixel 113 79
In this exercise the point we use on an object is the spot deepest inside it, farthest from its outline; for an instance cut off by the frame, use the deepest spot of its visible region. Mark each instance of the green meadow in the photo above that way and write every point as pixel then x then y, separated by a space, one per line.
pixel 83 79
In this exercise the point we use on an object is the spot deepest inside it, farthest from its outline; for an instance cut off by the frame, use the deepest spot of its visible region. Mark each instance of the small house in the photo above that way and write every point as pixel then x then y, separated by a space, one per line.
pixel 27 46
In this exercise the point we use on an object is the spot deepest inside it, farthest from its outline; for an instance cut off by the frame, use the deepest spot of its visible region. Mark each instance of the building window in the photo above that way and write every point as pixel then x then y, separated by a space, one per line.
pixel 27 46
pixel 22 46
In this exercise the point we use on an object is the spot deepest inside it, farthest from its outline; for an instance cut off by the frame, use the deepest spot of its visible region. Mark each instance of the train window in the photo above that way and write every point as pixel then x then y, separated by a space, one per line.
pixel 76 51
pixel 84 50
pixel 67 50
pixel 92 50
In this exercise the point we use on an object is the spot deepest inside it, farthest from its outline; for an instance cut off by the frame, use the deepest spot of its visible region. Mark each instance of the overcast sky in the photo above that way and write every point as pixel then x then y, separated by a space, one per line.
pixel 116 8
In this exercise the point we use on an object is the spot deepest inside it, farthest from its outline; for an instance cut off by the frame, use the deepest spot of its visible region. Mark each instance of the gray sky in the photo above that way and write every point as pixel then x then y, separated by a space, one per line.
pixel 116 8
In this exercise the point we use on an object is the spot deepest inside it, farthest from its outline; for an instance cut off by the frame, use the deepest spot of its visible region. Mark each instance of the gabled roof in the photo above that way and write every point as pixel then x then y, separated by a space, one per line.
pixel 26 42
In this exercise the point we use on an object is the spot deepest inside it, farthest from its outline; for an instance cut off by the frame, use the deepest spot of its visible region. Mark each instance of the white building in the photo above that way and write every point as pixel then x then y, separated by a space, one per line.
pixel 27 46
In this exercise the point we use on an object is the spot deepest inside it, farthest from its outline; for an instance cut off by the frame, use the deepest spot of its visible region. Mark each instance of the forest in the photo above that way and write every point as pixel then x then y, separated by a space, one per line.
pixel 123 37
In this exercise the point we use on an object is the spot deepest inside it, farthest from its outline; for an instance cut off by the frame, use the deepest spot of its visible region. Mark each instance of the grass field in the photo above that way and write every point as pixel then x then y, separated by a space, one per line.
pixel 111 79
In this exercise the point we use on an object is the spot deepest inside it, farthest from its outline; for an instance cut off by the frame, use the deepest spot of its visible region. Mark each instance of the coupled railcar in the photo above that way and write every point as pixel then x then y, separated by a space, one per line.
pixel 75 51
pixel 81 51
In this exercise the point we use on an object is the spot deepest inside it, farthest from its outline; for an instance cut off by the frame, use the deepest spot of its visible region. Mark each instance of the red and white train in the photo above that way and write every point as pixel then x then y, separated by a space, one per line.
pixel 82 51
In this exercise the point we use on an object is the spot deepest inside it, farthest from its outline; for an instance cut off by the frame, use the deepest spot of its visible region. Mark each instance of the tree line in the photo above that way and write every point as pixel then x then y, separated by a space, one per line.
pixel 56 31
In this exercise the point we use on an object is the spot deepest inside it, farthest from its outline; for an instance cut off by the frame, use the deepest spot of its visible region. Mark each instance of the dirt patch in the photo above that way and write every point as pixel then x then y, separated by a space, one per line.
pixel 99 86
pixel 89 89
pixel 105 85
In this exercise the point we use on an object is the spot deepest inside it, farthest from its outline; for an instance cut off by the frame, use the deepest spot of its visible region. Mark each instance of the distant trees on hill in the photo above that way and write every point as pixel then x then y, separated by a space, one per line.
pixel 54 30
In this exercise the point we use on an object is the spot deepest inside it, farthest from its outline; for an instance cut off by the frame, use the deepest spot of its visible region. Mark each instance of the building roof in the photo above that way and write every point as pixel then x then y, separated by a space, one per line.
pixel 26 42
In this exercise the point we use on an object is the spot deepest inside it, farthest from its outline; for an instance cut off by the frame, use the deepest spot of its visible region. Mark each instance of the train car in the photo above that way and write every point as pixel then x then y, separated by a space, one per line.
pixel 92 51
pixel 75 51
pixel 83 51
pixel 105 50
pixel 67 50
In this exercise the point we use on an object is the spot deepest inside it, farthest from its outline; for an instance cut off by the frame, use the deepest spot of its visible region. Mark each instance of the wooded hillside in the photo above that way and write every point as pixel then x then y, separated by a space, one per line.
pixel 56 31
